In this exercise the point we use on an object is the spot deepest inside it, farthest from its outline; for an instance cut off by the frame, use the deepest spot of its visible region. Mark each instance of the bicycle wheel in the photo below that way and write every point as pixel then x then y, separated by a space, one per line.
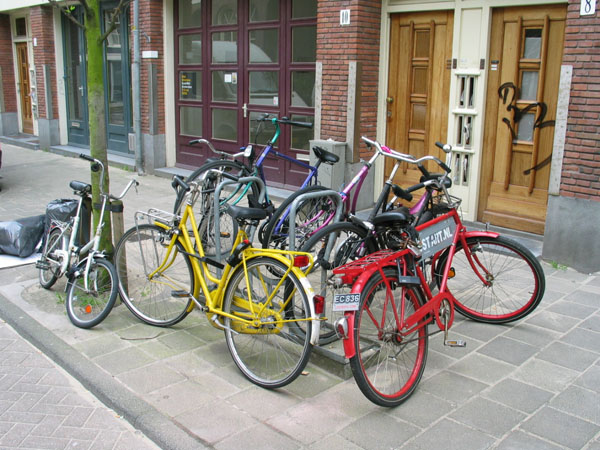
pixel 331 247
pixel 389 361
pixel 311 214
pixel 269 352
pixel 91 297
pixel 49 266
pixel 514 279
pixel 162 299
pixel 234 194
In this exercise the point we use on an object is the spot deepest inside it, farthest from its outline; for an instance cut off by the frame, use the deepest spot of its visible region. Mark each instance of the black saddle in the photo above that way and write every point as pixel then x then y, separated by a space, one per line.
pixel 80 187
pixel 325 156
pixel 243 213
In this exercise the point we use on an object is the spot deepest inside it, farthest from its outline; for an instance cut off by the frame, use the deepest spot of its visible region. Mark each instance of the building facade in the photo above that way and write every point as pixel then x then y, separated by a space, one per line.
pixel 513 86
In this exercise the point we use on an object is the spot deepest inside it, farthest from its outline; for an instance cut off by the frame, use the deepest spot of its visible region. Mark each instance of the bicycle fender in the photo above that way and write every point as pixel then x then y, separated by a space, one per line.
pixel 350 316
pixel 477 233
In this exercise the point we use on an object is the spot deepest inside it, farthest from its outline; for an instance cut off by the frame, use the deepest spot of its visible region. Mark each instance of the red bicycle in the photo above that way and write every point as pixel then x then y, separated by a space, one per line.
pixel 484 276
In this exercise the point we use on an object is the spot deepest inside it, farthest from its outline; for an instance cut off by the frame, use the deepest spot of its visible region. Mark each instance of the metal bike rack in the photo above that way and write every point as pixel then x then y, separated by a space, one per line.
pixel 308 196
pixel 222 184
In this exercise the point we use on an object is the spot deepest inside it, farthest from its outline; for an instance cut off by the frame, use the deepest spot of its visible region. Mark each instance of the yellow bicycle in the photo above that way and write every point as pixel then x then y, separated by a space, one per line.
pixel 262 299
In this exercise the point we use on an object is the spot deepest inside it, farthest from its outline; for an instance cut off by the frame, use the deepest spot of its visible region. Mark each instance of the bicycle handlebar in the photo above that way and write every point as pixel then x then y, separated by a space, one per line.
pixel 404 157
pixel 284 120
pixel 133 182
pixel 178 182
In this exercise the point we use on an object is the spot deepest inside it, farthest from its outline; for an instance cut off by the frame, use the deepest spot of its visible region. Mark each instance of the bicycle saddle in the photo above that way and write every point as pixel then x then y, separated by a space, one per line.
pixel 242 213
pixel 80 187
pixel 325 156
pixel 400 215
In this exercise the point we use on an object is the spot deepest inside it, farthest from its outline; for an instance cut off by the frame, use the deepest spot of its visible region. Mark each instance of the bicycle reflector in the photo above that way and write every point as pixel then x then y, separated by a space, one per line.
pixel 301 260
pixel 319 302
pixel 451 272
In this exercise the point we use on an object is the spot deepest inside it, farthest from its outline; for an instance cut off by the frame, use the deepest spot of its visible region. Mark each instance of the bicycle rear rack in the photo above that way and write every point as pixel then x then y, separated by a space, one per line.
pixel 156 215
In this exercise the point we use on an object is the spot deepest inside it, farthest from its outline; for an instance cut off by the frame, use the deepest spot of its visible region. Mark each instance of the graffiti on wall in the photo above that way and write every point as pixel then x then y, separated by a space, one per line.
pixel 510 89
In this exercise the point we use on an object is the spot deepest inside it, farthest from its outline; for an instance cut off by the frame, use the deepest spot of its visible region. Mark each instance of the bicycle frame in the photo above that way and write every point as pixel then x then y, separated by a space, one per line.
pixel 406 261
pixel 214 298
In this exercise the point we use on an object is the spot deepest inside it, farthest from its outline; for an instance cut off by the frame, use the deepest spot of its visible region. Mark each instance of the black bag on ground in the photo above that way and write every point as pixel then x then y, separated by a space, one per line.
pixel 21 237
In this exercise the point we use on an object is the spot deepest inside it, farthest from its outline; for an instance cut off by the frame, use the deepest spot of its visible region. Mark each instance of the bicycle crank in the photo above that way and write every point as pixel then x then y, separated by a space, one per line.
pixel 445 312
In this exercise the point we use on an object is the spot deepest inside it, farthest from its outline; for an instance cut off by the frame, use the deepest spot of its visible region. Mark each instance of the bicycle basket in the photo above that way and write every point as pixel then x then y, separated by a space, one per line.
pixel 445 202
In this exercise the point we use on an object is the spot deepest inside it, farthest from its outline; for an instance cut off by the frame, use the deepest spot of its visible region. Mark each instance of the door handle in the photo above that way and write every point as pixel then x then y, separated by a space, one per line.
pixel 245 109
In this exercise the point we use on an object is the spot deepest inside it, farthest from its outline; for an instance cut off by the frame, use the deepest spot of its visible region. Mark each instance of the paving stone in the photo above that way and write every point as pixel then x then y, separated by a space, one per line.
pixel 271 403
pixel 101 346
pixel 532 334
pixel 579 402
pixel 372 431
pixel 452 387
pixel 482 368
pixel 572 309
pixel 586 339
pixel 568 356
pixel 334 442
pixel 561 428
pixel 508 350
pixel 454 435
pixel 545 375
pixel 149 378
pixel 592 324
pixel 586 295
pixel 422 409
pixel 123 360
pixel 523 441
pixel 521 396
pixel 269 439
pixel 590 379
pixel 487 416
pixel 181 397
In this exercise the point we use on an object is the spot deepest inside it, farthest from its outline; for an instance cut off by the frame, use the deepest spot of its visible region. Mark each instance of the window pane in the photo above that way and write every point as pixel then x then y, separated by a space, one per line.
pixel 190 49
pixel 264 10
pixel 264 46
pixel 224 124
pixel 190 85
pixel 224 12
pixel 301 136
pixel 224 86
pixel 304 47
pixel 190 121
pixel 265 129
pixel 529 85
pixel 21 27
pixel 303 89
pixel 304 8
pixel 190 13
pixel 525 131
pixel 224 47
pixel 264 88
pixel 533 44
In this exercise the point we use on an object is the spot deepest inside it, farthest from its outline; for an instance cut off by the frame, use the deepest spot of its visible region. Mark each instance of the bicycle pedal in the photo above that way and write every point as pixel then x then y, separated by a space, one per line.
pixel 180 294
pixel 455 343
pixel 43 265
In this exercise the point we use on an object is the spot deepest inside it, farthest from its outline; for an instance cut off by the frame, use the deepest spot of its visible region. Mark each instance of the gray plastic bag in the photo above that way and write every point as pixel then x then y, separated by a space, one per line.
pixel 21 237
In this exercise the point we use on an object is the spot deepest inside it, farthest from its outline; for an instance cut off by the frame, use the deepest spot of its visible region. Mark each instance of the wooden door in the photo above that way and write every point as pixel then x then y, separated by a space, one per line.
pixel 418 87
pixel 524 71
pixel 24 88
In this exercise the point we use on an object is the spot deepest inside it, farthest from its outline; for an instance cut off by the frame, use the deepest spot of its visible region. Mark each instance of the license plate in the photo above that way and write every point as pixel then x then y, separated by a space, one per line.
pixel 346 302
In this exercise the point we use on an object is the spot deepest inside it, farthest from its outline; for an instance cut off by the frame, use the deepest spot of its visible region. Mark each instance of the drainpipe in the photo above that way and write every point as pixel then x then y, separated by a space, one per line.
pixel 135 73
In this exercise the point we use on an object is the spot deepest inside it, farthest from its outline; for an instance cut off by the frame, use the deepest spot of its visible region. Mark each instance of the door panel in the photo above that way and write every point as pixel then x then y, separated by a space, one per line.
pixel 525 57
pixel 247 57
pixel 418 87
pixel 24 88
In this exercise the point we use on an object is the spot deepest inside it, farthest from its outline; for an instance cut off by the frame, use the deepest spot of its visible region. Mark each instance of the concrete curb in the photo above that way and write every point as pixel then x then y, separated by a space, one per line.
pixel 143 416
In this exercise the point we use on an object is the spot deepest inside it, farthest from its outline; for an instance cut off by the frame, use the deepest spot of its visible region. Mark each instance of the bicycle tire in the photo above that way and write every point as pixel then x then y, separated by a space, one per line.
pixel 310 216
pixel 274 355
pixel 139 252
pixel 87 308
pixel 350 243
pixel 236 194
pixel 387 367
pixel 506 261
pixel 49 276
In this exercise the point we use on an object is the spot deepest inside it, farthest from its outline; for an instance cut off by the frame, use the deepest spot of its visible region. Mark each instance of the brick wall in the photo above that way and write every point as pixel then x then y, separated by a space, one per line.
pixel 7 65
pixel 336 47
pixel 581 164
pixel 151 38
pixel 42 30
